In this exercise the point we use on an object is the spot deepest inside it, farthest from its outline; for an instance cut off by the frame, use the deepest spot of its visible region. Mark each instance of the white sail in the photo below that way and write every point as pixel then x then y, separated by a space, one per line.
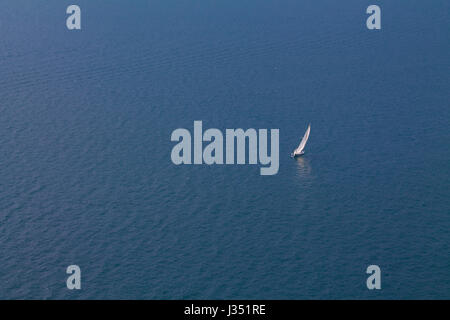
pixel 302 144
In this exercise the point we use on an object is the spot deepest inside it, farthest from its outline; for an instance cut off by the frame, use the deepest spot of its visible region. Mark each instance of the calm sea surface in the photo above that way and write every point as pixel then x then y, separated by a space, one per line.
pixel 86 176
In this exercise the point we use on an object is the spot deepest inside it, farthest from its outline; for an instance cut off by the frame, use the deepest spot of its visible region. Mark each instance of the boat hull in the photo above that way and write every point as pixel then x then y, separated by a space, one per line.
pixel 297 155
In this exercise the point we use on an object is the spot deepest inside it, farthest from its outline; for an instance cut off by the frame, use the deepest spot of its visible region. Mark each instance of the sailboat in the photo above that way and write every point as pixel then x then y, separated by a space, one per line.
pixel 301 147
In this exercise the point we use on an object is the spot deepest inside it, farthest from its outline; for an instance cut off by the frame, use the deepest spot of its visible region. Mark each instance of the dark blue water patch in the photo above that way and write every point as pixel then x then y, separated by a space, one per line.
pixel 86 119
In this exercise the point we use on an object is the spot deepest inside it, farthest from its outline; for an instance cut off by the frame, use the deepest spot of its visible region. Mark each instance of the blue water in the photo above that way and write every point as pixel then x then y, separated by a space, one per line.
pixel 85 170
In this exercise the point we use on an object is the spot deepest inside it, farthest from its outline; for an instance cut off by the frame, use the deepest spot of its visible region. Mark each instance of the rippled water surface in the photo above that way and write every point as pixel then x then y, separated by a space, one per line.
pixel 86 176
